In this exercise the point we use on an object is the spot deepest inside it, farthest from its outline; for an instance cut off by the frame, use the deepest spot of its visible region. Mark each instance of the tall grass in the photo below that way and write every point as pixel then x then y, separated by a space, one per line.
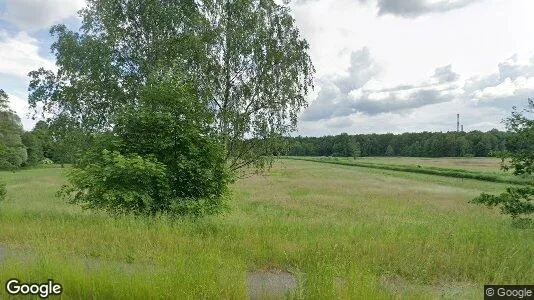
pixel 342 231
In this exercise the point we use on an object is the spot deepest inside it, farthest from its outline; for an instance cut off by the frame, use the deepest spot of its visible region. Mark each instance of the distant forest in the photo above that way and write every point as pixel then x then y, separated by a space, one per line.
pixel 424 144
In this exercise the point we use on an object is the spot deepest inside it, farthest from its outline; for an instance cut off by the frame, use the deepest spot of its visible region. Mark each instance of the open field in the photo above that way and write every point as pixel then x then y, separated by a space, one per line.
pixel 483 164
pixel 340 231
pixel 448 167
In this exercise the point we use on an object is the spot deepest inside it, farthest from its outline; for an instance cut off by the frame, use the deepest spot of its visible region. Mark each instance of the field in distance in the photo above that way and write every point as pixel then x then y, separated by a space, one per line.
pixel 484 164
pixel 335 231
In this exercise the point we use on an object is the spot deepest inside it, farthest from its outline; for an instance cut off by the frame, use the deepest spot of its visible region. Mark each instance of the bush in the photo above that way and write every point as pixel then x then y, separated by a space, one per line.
pixel 12 157
pixel 176 136
pixel 161 157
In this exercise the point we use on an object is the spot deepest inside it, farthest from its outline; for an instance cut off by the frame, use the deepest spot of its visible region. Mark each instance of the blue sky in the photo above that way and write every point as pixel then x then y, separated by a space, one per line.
pixel 382 65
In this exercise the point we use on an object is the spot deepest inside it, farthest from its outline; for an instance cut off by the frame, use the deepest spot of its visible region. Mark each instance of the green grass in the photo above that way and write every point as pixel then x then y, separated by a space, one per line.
pixel 343 231
pixel 431 170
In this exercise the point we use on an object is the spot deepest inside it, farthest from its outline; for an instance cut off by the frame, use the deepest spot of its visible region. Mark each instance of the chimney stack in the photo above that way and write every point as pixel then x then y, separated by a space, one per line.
pixel 457 122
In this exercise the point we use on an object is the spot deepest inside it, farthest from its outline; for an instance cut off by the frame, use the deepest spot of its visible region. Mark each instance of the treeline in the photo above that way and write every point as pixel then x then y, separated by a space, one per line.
pixel 424 144
pixel 46 143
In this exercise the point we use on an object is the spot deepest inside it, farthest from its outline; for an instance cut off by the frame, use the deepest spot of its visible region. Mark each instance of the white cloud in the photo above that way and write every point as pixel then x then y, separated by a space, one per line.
pixel 358 90
pixel 507 88
pixel 439 63
pixel 19 54
pixel 39 14
pixel 428 105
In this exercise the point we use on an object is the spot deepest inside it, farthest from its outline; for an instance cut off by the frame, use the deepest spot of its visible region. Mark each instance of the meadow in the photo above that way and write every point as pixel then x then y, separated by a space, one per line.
pixel 487 169
pixel 484 164
pixel 341 231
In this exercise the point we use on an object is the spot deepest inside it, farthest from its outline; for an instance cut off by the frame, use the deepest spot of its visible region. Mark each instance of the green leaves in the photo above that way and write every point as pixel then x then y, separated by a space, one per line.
pixel 519 157
pixel 246 59
pixel 514 202
pixel 161 157
pixel 259 74
pixel 119 184
pixel 204 87
pixel 12 151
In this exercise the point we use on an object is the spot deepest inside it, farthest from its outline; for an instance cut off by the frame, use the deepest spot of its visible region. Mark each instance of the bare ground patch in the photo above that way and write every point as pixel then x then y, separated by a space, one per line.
pixel 272 284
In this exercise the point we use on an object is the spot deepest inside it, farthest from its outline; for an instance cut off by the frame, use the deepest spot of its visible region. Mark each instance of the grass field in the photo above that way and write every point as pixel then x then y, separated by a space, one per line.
pixel 477 168
pixel 484 164
pixel 341 231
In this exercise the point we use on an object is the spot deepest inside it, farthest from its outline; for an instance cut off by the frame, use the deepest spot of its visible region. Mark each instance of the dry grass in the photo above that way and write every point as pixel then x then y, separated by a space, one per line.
pixel 486 164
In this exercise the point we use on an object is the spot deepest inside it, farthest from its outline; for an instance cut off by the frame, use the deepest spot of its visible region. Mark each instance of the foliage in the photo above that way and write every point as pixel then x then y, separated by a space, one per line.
pixel 12 151
pixel 257 75
pixel 423 144
pixel 166 140
pixel 120 184
pixel 516 202
pixel 520 145
pixel 34 147
pixel 390 151
pixel 356 149
pixel 173 126
pixel 61 140
pixel 247 58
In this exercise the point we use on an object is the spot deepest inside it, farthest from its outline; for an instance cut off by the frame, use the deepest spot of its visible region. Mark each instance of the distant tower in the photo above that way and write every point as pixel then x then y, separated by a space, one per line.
pixel 462 127
pixel 457 122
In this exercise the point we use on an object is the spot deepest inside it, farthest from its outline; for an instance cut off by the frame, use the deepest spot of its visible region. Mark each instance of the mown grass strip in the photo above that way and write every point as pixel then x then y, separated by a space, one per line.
pixel 457 173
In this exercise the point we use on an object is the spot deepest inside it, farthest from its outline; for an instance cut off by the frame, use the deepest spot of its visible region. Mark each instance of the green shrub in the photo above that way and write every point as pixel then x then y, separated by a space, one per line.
pixel 120 184
pixel 12 157
pixel 161 157
pixel 175 131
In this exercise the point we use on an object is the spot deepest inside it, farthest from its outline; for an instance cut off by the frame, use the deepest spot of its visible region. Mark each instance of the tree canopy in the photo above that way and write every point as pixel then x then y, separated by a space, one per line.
pixel 246 57
pixel 12 151
pixel 188 91
pixel 417 144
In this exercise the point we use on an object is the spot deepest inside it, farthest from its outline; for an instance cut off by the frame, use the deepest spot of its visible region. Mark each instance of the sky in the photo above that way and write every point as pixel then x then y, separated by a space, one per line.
pixel 382 65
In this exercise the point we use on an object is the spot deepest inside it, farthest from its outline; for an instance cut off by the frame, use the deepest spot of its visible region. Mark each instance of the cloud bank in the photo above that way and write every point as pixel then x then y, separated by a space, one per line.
pixel 360 94
pixel 410 8
pixel 416 8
